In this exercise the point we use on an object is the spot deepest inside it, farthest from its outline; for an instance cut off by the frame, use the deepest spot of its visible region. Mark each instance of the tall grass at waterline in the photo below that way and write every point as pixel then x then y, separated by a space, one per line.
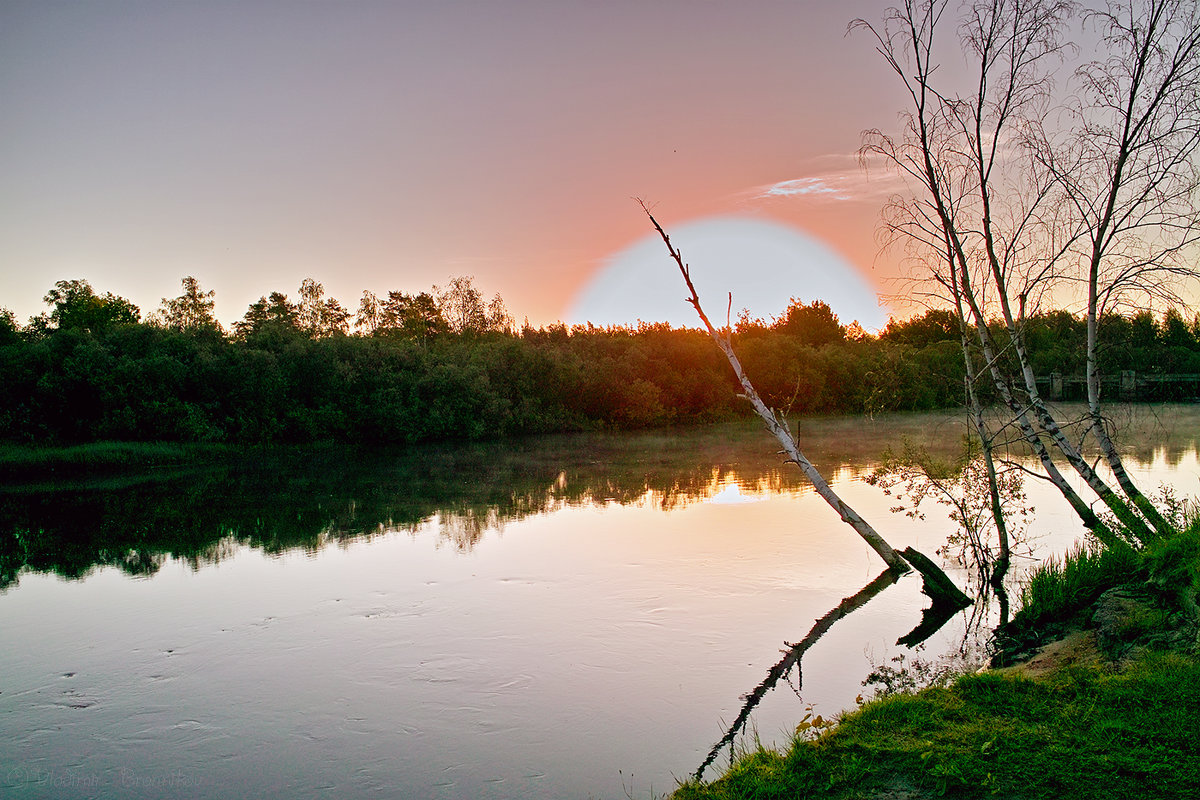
pixel 17 461
pixel 1060 588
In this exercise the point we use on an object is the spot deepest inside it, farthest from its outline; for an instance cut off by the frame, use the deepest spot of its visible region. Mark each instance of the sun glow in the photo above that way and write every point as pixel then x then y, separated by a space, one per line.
pixel 763 264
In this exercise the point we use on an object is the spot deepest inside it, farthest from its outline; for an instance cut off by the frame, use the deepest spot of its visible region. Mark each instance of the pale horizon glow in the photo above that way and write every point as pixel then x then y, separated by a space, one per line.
pixel 763 264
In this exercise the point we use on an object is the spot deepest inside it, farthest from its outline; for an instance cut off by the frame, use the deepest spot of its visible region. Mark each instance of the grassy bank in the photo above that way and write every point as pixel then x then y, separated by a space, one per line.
pixel 1106 708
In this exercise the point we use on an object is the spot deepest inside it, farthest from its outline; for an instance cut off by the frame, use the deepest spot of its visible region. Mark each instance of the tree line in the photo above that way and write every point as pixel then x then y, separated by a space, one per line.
pixel 447 364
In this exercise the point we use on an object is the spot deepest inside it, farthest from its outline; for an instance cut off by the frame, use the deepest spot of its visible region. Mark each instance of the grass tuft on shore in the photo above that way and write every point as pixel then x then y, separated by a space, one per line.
pixel 1059 589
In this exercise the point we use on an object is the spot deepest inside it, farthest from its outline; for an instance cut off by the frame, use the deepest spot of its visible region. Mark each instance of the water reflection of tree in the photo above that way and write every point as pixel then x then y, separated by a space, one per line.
pixel 932 620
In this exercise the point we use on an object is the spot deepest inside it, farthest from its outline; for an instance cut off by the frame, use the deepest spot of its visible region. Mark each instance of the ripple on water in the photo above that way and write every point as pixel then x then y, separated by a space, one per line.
pixel 516 682
pixel 521 581
pixel 73 699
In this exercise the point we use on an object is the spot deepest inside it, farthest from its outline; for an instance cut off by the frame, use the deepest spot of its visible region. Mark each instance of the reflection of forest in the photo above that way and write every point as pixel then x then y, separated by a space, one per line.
pixel 307 498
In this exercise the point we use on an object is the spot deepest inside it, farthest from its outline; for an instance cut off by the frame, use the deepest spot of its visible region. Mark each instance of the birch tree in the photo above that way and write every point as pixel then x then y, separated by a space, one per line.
pixel 464 309
pixel 320 316
pixel 1008 205
pixel 1012 41
pixel 370 314
pixel 192 310
pixel 943 215
pixel 1126 172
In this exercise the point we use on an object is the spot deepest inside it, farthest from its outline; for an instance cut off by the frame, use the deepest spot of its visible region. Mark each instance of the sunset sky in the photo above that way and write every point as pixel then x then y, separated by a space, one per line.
pixel 395 145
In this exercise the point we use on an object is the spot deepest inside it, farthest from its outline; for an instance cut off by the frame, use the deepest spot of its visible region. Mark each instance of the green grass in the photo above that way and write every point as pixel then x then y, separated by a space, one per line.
pixel 1059 593
pixel 1082 733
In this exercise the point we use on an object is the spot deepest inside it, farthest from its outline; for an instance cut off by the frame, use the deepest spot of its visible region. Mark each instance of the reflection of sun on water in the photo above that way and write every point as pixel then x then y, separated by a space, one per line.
pixel 762 263
pixel 732 494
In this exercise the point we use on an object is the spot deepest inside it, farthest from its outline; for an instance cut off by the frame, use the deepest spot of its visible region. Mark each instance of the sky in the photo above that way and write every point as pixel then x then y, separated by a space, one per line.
pixel 396 145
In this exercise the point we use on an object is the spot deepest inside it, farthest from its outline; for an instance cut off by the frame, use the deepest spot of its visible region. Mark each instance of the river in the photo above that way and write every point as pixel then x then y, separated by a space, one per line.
pixel 568 616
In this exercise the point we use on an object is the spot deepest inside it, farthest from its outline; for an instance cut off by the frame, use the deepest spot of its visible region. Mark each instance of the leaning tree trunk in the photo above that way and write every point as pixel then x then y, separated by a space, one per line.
pixel 779 428
pixel 934 183
pixel 1135 524
pixel 1107 448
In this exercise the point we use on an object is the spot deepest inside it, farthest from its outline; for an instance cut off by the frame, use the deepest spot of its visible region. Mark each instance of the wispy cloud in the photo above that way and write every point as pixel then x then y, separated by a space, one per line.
pixel 832 178
pixel 802 186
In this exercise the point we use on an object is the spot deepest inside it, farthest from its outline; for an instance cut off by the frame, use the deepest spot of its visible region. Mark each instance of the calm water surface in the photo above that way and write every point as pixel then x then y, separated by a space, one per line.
pixel 566 617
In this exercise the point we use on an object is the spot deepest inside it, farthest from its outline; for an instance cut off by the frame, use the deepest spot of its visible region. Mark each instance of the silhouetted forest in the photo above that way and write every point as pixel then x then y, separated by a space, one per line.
pixel 448 365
